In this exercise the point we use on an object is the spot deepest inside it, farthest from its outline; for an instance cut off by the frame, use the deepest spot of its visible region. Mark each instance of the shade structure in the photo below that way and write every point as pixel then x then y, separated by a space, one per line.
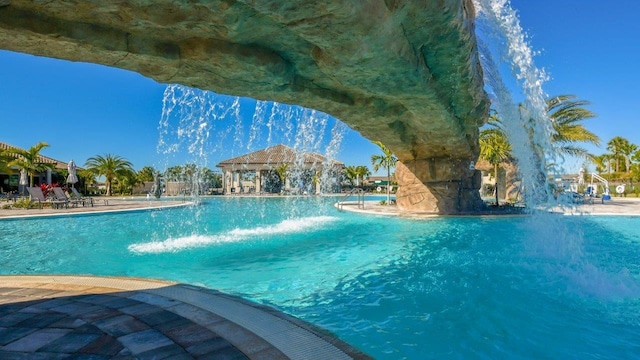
pixel 72 178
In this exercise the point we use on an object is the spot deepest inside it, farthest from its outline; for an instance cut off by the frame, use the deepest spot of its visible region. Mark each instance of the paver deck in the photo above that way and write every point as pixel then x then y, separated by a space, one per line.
pixel 86 317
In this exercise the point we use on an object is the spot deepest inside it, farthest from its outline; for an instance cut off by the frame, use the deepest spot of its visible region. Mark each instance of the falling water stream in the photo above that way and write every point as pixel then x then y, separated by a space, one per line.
pixel 502 44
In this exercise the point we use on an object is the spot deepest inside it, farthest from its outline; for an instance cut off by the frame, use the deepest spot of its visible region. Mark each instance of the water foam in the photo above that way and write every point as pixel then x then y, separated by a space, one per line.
pixel 288 226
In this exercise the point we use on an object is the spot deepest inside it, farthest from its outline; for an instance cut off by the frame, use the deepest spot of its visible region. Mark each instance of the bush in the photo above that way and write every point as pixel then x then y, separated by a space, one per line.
pixel 25 203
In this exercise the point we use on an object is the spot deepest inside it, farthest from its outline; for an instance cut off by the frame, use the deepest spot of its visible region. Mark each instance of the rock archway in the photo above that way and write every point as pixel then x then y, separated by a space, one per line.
pixel 404 72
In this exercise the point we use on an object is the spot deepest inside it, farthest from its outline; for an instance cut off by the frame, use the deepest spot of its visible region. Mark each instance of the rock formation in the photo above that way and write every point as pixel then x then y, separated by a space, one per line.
pixel 404 72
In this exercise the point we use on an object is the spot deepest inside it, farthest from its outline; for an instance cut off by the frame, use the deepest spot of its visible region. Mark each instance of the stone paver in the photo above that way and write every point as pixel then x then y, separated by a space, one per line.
pixel 100 322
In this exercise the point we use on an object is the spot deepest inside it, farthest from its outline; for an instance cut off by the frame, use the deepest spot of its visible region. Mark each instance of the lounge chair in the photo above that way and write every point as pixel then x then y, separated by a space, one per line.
pixel 37 195
pixel 60 195
pixel 76 195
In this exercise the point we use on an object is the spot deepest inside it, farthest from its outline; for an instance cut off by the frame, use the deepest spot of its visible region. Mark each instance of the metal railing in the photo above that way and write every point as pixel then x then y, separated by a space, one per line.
pixel 359 193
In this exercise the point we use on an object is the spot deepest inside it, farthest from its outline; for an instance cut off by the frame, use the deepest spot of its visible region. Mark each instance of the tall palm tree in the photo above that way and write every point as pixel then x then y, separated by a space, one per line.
pixel 387 161
pixel 110 166
pixel 4 160
pixel 494 146
pixel 283 171
pixel 566 113
pixel 27 160
pixel 353 173
pixel 146 174
pixel 626 150
pixel 602 162
pixel 616 145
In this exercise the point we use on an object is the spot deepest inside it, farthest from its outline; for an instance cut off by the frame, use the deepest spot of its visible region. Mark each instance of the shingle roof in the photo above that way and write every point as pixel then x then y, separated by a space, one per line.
pixel 279 154
pixel 43 159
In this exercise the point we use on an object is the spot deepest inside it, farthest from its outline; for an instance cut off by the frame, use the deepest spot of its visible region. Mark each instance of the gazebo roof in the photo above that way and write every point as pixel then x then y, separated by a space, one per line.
pixel 279 154
pixel 43 159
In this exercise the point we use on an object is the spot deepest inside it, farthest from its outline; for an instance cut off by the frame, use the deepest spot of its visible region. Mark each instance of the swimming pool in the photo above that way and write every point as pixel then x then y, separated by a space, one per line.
pixel 455 287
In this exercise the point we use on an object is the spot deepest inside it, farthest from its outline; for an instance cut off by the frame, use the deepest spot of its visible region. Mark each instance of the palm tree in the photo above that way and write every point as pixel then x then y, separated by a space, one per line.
pixel 146 174
pixel 4 160
pixel 494 146
pixel 282 170
pixel 627 149
pixel 602 162
pixel 353 173
pixel 110 166
pixel 566 113
pixel 27 160
pixel 616 145
pixel 387 161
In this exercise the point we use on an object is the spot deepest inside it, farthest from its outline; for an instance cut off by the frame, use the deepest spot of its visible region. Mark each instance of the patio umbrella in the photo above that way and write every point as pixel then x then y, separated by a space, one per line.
pixel 24 181
pixel 72 178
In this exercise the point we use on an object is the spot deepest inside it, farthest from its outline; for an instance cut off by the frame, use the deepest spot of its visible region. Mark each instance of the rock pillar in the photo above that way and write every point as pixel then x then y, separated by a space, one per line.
pixel 438 185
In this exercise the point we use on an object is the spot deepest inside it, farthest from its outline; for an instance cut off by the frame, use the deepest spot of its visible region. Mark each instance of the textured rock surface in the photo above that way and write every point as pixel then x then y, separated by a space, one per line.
pixel 404 72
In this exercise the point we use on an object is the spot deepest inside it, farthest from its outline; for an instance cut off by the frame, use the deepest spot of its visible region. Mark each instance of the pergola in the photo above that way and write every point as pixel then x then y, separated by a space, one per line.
pixel 258 172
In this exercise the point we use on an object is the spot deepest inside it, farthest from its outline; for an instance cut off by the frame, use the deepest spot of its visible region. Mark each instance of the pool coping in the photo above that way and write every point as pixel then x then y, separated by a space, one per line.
pixel 132 206
pixel 614 207
pixel 284 334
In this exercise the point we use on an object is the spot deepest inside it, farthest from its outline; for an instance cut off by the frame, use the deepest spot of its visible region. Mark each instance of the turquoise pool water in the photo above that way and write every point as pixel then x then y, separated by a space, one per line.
pixel 559 287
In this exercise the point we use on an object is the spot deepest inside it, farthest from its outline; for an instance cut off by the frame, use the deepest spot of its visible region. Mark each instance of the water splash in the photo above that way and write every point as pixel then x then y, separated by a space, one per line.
pixel 527 124
pixel 289 226
pixel 557 248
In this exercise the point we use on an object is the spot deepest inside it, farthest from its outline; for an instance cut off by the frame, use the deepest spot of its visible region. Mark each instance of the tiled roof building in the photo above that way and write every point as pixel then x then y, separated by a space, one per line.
pixel 258 172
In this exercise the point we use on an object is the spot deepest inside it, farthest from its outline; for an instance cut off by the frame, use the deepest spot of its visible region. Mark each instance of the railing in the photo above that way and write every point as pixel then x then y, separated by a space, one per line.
pixel 359 193
pixel 602 180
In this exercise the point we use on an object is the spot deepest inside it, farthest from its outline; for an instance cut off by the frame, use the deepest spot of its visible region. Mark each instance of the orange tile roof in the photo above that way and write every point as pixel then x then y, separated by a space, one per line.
pixel 41 158
pixel 279 154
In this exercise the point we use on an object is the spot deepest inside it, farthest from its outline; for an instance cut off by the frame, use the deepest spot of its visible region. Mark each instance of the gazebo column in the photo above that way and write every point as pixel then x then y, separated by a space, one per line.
pixel 317 182
pixel 227 182
pixel 236 181
pixel 258 182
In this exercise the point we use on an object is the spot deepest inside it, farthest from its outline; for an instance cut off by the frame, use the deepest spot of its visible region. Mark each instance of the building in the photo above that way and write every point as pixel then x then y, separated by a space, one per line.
pixel 281 169
pixel 9 180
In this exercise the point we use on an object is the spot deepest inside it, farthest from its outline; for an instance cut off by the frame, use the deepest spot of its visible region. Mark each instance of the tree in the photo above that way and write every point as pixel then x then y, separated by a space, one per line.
pixel 282 170
pixel 146 174
pixel 387 161
pixel 602 162
pixel 353 173
pixel 109 166
pixel 616 145
pixel 27 160
pixel 494 146
pixel 627 149
pixel 566 113
pixel 4 160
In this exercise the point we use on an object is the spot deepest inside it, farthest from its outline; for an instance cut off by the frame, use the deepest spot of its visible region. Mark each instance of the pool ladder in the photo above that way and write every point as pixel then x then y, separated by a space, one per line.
pixel 359 193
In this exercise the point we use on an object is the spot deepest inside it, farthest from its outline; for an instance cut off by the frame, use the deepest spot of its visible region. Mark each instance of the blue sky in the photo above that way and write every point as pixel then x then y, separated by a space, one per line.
pixel 590 48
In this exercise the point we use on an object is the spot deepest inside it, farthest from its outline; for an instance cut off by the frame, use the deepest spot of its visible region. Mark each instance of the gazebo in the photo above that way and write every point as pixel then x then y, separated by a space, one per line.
pixel 280 169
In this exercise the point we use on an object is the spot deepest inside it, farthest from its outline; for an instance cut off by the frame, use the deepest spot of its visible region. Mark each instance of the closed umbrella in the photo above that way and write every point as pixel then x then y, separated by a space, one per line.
pixel 72 178
pixel 24 181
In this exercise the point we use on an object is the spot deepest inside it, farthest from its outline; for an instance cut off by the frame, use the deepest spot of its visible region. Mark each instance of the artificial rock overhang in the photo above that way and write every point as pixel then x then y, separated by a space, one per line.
pixel 402 72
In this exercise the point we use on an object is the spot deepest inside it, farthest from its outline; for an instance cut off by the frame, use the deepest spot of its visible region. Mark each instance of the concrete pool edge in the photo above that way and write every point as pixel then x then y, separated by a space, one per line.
pixel 615 207
pixel 116 208
pixel 248 323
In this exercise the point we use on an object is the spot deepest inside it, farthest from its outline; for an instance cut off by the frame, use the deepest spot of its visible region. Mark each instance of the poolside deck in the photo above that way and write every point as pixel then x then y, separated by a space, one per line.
pixel 101 205
pixel 619 206
pixel 52 317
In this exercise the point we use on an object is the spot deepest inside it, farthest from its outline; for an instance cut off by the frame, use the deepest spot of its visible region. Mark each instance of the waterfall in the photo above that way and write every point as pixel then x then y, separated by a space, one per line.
pixel 552 245
pixel 201 126
pixel 527 124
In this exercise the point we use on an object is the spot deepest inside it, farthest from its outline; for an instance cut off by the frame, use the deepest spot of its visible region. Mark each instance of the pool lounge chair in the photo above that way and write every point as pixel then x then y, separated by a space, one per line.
pixel 37 195
pixel 76 195
pixel 60 195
